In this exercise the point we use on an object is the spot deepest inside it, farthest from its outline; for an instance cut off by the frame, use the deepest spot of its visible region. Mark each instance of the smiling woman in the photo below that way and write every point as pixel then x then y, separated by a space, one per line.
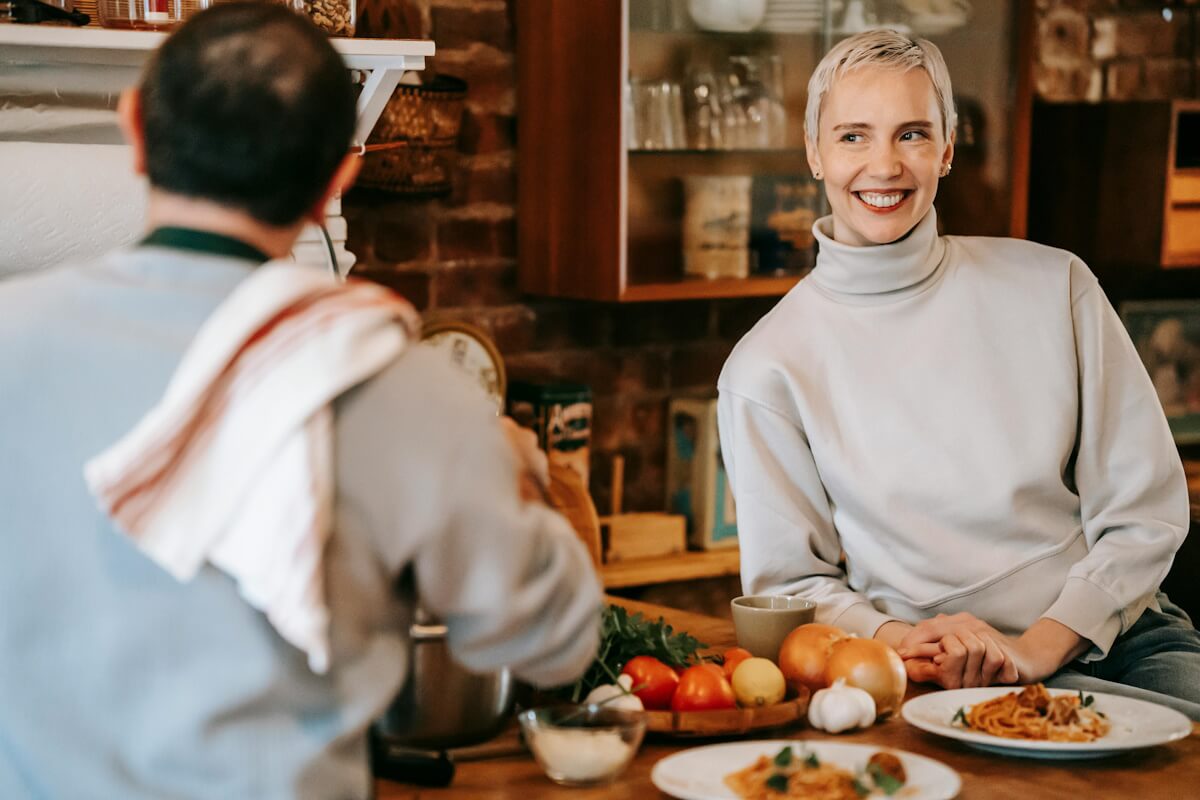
pixel 949 443
pixel 881 136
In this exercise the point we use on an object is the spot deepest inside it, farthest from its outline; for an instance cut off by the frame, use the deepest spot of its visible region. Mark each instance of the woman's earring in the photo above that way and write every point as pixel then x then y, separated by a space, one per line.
pixel 945 169
pixel 817 174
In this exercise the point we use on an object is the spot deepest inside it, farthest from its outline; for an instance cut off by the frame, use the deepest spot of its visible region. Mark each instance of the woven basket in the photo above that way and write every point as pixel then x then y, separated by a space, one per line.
pixel 412 148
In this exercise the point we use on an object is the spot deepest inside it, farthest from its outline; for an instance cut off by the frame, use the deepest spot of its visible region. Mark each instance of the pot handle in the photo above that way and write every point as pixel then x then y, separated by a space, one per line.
pixel 425 633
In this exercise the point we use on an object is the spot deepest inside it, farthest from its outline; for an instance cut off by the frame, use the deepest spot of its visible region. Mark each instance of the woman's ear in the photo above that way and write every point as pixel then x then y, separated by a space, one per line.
pixel 129 118
pixel 948 153
pixel 814 158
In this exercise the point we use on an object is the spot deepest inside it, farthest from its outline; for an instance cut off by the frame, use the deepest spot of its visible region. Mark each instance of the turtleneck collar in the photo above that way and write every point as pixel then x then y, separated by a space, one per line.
pixel 878 272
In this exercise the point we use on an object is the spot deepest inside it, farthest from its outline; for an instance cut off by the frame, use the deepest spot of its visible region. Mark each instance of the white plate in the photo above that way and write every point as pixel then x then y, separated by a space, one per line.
pixel 1135 724
pixel 699 772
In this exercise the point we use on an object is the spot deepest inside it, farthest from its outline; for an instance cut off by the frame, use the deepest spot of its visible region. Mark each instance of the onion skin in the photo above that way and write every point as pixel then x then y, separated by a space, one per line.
pixel 872 666
pixel 804 653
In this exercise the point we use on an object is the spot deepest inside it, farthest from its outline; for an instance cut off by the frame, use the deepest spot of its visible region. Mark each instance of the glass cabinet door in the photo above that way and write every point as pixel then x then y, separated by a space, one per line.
pixel 718 187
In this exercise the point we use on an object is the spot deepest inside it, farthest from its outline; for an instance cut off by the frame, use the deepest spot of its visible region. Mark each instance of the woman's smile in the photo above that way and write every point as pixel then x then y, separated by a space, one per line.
pixel 880 152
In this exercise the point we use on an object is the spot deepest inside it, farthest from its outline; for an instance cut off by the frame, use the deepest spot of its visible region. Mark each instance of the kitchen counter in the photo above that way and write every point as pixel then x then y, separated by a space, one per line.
pixel 1171 771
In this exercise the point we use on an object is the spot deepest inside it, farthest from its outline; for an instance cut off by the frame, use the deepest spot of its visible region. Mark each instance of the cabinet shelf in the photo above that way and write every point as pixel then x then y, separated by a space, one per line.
pixel 694 565
pixel 700 289
pixel 712 152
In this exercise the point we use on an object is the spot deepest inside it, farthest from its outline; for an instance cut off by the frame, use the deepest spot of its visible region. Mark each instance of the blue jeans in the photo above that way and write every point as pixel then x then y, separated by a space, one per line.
pixel 1158 659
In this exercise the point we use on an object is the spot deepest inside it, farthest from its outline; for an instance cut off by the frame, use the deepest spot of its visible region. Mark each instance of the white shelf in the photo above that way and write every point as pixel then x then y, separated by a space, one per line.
pixel 48 45
pixel 55 43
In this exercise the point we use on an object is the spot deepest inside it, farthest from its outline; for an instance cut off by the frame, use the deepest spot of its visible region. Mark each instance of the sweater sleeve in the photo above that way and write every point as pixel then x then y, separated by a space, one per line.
pixel 785 527
pixel 427 471
pixel 1132 490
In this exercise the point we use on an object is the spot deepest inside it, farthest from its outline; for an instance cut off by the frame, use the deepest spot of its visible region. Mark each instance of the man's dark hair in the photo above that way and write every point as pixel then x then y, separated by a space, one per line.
pixel 247 105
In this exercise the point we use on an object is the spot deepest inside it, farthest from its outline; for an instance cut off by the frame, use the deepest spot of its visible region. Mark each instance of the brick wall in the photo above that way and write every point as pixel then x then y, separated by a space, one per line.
pixel 1097 50
pixel 456 258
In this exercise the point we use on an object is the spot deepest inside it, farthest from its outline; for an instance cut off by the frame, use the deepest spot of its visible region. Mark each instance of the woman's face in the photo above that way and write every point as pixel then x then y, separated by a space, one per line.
pixel 881 151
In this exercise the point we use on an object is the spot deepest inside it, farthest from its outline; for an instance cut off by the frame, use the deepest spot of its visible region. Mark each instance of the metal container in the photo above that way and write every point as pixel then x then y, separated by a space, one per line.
pixel 443 705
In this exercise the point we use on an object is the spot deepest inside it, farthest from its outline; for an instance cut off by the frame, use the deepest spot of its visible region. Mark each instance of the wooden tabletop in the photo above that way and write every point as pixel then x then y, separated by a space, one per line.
pixel 1170 771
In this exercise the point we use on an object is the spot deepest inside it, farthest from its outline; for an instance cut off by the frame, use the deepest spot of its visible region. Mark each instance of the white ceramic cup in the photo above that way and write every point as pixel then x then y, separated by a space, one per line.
pixel 763 621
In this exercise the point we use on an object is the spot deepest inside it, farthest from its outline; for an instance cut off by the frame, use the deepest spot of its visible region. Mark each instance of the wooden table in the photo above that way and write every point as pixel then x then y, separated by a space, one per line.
pixel 1170 771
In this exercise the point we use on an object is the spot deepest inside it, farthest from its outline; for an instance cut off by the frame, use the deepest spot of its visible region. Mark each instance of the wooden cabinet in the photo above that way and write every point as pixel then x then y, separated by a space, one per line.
pixel 1119 185
pixel 602 216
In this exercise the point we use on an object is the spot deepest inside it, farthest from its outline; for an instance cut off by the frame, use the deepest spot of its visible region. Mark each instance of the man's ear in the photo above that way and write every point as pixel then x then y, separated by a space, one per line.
pixel 129 118
pixel 343 179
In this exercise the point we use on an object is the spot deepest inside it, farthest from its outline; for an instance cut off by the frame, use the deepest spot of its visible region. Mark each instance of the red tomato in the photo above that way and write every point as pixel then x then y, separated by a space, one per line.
pixel 733 657
pixel 653 681
pixel 703 688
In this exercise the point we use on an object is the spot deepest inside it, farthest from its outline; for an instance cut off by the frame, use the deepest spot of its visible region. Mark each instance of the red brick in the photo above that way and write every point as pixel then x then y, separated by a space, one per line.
pixel 461 238
pixel 390 19
pixel 487 183
pixel 1149 34
pixel 1165 79
pixel 491 76
pixel 512 329
pixel 459 26
pixel 486 132
pixel 661 322
pixel 403 232
pixel 411 284
pixel 697 367
pixel 1068 84
pixel 1063 37
pixel 562 324
pixel 476 285
pixel 600 370
pixel 1123 80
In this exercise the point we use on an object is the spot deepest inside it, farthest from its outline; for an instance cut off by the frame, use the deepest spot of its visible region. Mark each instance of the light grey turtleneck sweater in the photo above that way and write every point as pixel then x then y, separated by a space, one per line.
pixel 966 420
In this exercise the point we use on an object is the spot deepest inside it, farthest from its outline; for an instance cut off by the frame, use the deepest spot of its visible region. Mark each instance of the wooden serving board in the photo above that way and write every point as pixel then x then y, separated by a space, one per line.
pixel 727 722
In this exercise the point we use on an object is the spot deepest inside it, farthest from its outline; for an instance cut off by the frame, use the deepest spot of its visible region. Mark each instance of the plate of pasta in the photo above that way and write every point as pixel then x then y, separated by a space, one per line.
pixel 1036 722
pixel 802 770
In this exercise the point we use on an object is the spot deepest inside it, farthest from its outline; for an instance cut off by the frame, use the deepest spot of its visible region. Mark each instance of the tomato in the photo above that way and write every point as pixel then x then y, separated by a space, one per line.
pixel 653 681
pixel 703 688
pixel 733 657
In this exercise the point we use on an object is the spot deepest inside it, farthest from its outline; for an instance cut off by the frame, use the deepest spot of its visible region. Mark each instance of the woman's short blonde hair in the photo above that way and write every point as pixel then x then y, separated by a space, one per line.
pixel 885 48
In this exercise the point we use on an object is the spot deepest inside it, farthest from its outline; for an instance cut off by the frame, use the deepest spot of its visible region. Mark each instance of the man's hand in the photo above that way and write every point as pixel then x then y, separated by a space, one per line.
pixel 532 466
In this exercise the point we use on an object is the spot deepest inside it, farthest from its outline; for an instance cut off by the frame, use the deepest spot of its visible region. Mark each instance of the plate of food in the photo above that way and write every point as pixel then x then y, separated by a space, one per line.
pixel 1037 722
pixel 782 770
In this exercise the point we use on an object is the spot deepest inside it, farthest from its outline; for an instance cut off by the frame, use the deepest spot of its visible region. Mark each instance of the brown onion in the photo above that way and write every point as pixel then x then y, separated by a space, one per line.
pixel 871 666
pixel 803 654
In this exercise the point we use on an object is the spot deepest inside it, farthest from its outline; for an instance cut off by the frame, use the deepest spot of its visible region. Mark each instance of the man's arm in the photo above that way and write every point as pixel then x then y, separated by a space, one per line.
pixel 435 477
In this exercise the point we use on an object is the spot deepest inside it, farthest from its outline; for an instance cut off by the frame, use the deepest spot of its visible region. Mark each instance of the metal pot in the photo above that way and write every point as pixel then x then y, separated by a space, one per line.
pixel 442 704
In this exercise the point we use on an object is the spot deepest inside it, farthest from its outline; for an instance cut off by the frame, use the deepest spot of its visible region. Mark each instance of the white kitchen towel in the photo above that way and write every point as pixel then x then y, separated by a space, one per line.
pixel 234 466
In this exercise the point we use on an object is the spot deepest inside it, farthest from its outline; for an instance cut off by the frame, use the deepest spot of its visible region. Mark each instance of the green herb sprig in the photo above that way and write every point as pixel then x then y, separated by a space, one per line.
pixel 623 636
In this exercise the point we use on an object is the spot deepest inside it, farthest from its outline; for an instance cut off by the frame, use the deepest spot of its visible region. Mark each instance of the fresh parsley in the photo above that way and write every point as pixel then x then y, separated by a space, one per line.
pixel 778 782
pixel 623 636
pixel 960 718
pixel 811 761
pixel 860 788
pixel 888 784
pixel 784 757
pixel 1085 700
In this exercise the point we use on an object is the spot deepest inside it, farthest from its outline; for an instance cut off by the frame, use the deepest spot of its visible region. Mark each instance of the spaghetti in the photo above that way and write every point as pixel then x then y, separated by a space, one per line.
pixel 786 777
pixel 1033 713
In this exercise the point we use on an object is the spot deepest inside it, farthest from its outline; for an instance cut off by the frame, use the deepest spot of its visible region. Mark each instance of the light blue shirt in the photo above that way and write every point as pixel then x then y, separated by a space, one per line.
pixel 120 682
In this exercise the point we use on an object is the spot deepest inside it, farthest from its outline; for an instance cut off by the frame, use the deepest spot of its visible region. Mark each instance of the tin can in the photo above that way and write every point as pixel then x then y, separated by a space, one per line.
pixel 561 415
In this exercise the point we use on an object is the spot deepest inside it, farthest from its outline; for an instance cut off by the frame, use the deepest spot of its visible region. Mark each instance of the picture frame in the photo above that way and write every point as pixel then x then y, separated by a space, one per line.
pixel 470 349
pixel 1166 334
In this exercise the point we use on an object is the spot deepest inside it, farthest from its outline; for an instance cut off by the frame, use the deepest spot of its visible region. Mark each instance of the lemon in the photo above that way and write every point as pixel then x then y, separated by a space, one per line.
pixel 757 682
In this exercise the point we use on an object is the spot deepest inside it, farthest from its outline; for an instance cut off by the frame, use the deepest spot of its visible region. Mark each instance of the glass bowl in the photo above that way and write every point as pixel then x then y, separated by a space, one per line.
pixel 583 745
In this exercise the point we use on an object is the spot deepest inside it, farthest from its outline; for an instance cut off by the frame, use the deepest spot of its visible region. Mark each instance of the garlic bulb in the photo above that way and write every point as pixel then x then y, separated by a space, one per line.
pixel 841 708
pixel 616 696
